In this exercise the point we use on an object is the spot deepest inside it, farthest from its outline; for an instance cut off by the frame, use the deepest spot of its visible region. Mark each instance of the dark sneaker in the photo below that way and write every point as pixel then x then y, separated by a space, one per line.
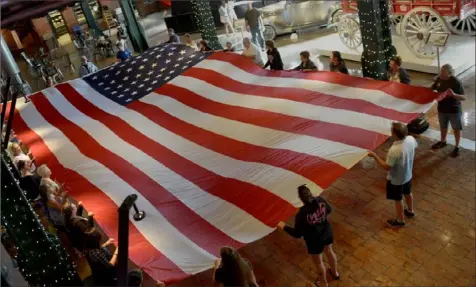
pixel 455 152
pixel 438 145
pixel 408 213
pixel 395 223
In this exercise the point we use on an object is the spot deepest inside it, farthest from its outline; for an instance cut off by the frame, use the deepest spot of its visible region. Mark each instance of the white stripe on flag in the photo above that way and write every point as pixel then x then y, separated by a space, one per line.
pixel 158 231
pixel 285 107
pixel 258 174
pixel 225 216
pixel 342 154
pixel 373 96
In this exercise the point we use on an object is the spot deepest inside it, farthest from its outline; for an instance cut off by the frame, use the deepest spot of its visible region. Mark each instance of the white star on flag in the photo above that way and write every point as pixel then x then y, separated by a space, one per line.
pixel 106 76
pixel 129 69
pixel 120 96
pixel 134 93
pixel 118 72
pixel 133 62
pixel 184 67
pixel 183 52
pixel 133 83
pixel 113 92
pixel 173 48
pixel 166 78
pixel 171 72
pixel 113 82
pixel 100 84
pixel 146 79
pixel 150 73
pixel 159 75
pixel 138 75
pixel 191 56
pixel 163 69
pixel 167 61
pixel 170 54
pixel 120 86
pixel 154 82
pixel 154 65
pixel 180 59
pixel 145 60
pixel 158 56
pixel 126 90
pixel 176 65
pixel 141 67
pixel 149 89
pixel 107 88
pixel 125 78
pixel 95 78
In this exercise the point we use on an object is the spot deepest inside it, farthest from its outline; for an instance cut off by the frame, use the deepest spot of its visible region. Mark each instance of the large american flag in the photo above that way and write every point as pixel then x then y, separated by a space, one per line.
pixel 213 146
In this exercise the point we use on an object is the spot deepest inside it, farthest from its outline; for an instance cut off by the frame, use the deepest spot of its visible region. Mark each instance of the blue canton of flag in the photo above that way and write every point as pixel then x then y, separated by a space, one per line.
pixel 138 76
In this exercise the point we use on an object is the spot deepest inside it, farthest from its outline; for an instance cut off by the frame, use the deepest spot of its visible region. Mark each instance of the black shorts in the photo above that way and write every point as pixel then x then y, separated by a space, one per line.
pixel 396 192
pixel 316 247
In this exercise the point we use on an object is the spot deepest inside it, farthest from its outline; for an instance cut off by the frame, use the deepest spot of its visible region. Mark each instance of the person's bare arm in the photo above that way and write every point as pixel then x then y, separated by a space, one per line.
pixel 113 260
pixel 380 161
pixel 459 97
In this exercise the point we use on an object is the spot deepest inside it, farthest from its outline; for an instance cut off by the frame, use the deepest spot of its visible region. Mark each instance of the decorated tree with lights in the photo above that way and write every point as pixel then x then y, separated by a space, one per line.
pixel 376 38
pixel 204 19
pixel 39 255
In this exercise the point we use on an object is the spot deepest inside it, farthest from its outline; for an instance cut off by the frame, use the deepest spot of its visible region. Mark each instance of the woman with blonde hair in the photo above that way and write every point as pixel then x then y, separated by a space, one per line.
pixel 233 270
pixel 189 42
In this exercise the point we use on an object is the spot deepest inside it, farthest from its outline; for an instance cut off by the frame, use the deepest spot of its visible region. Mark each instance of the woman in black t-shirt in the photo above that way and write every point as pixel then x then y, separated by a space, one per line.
pixel 233 270
pixel 311 223
pixel 337 64
pixel 274 58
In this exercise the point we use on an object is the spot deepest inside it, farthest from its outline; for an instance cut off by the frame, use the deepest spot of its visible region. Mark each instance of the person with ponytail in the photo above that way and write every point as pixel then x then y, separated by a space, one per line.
pixel 233 270
pixel 312 224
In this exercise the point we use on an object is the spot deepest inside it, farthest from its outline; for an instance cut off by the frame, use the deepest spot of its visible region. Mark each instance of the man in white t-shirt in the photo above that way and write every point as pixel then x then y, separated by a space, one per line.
pixel 252 51
pixel 399 164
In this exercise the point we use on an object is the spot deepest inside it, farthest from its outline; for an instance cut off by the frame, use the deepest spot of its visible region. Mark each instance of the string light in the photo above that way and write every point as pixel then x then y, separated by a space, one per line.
pixel 40 259
pixel 376 38
pixel 206 24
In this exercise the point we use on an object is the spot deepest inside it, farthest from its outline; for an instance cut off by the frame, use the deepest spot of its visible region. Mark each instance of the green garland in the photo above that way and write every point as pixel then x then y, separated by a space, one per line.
pixel 41 259
pixel 204 19
pixel 376 38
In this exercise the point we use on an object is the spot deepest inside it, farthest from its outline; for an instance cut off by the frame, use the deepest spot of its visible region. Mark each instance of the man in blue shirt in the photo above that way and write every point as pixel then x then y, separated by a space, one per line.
pixel 399 164
pixel 123 53
pixel 173 38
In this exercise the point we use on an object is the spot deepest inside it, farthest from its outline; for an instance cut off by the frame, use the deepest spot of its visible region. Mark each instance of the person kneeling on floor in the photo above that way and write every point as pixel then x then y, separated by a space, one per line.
pixel 399 164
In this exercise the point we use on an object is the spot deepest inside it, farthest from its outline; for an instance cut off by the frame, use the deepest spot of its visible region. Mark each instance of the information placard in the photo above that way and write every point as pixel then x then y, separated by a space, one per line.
pixel 438 39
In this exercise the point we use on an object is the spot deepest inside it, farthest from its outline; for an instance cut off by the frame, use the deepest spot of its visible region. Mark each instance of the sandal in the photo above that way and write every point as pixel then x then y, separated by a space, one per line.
pixel 332 274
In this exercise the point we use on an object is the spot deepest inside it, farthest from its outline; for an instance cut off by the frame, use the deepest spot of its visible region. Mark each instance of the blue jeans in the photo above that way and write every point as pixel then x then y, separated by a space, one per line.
pixel 257 37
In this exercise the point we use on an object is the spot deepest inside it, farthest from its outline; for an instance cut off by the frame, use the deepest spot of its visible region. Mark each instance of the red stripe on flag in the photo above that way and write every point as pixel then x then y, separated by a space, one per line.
pixel 324 130
pixel 415 94
pixel 180 216
pixel 141 252
pixel 298 95
pixel 316 169
pixel 228 189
